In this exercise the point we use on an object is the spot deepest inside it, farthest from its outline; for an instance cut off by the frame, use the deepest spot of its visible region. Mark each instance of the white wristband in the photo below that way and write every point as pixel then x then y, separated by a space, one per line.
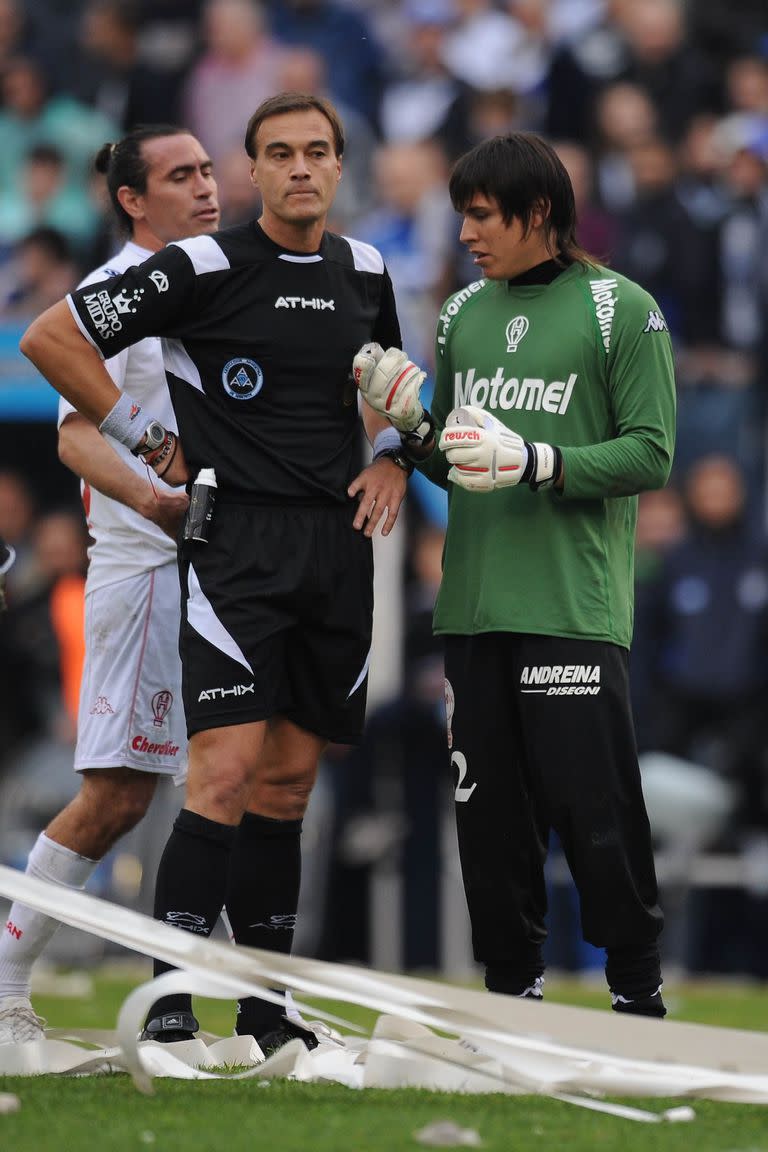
pixel 385 441
pixel 126 421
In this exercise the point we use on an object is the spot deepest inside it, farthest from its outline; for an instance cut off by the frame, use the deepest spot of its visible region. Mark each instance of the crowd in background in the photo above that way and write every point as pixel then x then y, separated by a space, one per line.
pixel 659 111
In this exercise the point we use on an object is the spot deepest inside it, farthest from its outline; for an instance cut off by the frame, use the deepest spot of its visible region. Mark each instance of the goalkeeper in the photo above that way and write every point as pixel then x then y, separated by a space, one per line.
pixel 554 407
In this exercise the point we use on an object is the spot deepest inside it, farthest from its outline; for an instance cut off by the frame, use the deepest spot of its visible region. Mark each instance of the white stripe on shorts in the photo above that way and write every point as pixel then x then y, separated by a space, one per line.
pixel 206 623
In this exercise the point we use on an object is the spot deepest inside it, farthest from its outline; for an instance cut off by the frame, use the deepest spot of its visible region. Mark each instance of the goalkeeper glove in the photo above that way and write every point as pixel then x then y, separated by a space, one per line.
pixel 484 454
pixel 391 383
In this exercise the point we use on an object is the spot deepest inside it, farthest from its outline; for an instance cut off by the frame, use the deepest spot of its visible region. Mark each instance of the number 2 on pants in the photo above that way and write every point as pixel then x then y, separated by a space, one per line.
pixel 462 794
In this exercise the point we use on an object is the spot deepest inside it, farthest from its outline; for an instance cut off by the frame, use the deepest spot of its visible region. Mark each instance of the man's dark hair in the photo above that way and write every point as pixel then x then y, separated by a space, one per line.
pixel 45 154
pixel 124 163
pixel 50 240
pixel 293 102
pixel 523 174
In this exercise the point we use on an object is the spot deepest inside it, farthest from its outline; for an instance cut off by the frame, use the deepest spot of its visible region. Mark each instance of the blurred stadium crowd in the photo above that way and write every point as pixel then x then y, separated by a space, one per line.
pixel 659 110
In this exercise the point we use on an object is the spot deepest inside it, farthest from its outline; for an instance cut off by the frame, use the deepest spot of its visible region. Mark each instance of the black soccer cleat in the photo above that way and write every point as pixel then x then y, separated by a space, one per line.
pixel 644 1006
pixel 273 1041
pixel 171 1028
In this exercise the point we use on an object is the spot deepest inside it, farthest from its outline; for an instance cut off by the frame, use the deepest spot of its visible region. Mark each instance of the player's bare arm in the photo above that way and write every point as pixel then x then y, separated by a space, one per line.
pixel 381 486
pixel 85 452
pixel 57 348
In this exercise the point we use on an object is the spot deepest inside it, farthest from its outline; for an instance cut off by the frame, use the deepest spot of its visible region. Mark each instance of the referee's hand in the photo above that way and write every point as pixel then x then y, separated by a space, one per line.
pixel 176 473
pixel 380 487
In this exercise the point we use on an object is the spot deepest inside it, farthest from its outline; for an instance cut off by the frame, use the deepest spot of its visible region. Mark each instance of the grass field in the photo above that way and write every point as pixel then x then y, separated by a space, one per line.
pixel 107 1114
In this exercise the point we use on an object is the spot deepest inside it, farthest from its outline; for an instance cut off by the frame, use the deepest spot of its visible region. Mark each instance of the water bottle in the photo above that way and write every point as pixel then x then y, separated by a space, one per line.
pixel 201 502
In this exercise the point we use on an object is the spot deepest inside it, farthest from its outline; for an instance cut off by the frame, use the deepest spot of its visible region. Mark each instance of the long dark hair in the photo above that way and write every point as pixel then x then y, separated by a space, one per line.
pixel 124 164
pixel 523 174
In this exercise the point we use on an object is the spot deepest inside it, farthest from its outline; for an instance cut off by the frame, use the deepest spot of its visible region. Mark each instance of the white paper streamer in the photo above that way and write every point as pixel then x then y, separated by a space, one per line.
pixel 508 1045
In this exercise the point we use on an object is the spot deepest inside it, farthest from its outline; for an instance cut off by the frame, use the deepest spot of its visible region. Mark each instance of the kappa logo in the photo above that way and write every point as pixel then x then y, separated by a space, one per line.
pixel 125 303
pixel 220 693
pixel 561 679
pixel 102 707
pixel 242 379
pixel 655 322
pixel 315 302
pixel 160 280
pixel 516 329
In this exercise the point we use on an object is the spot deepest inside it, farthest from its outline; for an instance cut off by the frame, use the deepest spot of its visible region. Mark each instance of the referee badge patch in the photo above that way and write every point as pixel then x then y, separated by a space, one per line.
pixel 242 379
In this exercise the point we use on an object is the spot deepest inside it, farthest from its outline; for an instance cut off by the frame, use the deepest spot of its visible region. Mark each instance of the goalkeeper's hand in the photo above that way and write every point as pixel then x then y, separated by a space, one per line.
pixel 484 454
pixel 390 383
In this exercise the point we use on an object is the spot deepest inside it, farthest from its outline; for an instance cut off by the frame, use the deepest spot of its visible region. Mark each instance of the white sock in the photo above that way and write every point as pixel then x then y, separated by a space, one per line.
pixel 27 932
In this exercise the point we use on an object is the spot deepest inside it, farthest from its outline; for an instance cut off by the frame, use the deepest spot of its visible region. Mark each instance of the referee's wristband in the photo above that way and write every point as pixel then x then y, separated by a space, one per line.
pixel 389 443
pixel 385 441
pixel 126 422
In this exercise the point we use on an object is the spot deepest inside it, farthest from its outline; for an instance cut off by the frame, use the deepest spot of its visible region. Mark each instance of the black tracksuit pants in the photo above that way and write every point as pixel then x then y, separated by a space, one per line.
pixel 541 737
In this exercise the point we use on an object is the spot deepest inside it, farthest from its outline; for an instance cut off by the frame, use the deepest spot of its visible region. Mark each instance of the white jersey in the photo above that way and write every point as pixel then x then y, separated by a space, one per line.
pixel 123 542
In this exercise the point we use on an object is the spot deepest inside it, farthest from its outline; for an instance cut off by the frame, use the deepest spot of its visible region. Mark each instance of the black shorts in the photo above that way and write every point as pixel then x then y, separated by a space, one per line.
pixel 276 618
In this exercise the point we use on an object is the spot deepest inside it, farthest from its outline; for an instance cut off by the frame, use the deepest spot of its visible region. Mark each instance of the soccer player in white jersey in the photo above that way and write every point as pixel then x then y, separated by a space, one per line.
pixel 131 726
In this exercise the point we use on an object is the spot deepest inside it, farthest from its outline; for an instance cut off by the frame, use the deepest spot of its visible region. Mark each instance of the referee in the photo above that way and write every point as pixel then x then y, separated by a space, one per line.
pixel 260 323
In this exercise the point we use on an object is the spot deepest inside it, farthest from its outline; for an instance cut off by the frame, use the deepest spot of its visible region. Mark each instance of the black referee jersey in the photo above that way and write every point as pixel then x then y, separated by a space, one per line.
pixel 258 345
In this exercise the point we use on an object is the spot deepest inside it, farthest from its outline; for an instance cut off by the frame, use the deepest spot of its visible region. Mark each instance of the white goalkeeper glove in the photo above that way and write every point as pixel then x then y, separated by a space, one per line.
pixel 390 382
pixel 484 454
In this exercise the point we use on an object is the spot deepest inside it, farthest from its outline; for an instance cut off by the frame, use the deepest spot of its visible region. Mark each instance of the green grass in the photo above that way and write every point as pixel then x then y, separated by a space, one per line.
pixel 107 1114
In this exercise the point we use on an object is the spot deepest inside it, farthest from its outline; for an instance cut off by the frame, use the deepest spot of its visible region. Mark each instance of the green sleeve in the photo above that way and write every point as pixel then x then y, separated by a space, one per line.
pixel 641 382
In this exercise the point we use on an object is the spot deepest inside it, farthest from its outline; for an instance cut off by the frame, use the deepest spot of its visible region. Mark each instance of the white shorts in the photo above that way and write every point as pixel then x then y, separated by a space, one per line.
pixel 131 713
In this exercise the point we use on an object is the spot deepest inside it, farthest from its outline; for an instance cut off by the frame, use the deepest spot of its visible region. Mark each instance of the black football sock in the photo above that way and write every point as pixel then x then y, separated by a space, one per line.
pixel 261 901
pixel 634 978
pixel 190 886
pixel 635 971
pixel 522 976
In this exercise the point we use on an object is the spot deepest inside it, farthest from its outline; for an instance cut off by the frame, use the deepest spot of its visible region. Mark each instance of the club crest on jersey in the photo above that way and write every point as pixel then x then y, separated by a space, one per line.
pixel 242 379
pixel 516 329
pixel 162 702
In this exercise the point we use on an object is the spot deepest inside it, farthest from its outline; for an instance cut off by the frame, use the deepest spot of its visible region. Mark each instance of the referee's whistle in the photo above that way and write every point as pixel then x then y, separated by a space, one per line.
pixel 202 499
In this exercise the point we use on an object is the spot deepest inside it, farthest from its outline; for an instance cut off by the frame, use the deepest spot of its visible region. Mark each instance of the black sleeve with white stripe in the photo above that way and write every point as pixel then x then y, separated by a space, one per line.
pixel 145 300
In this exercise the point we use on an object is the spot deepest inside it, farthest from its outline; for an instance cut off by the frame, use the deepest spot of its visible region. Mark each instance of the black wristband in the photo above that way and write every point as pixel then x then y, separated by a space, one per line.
pixel 419 444
pixel 543 467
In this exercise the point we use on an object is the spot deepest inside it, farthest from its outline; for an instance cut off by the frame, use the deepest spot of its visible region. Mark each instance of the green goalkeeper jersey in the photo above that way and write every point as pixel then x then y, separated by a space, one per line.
pixel 584 362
